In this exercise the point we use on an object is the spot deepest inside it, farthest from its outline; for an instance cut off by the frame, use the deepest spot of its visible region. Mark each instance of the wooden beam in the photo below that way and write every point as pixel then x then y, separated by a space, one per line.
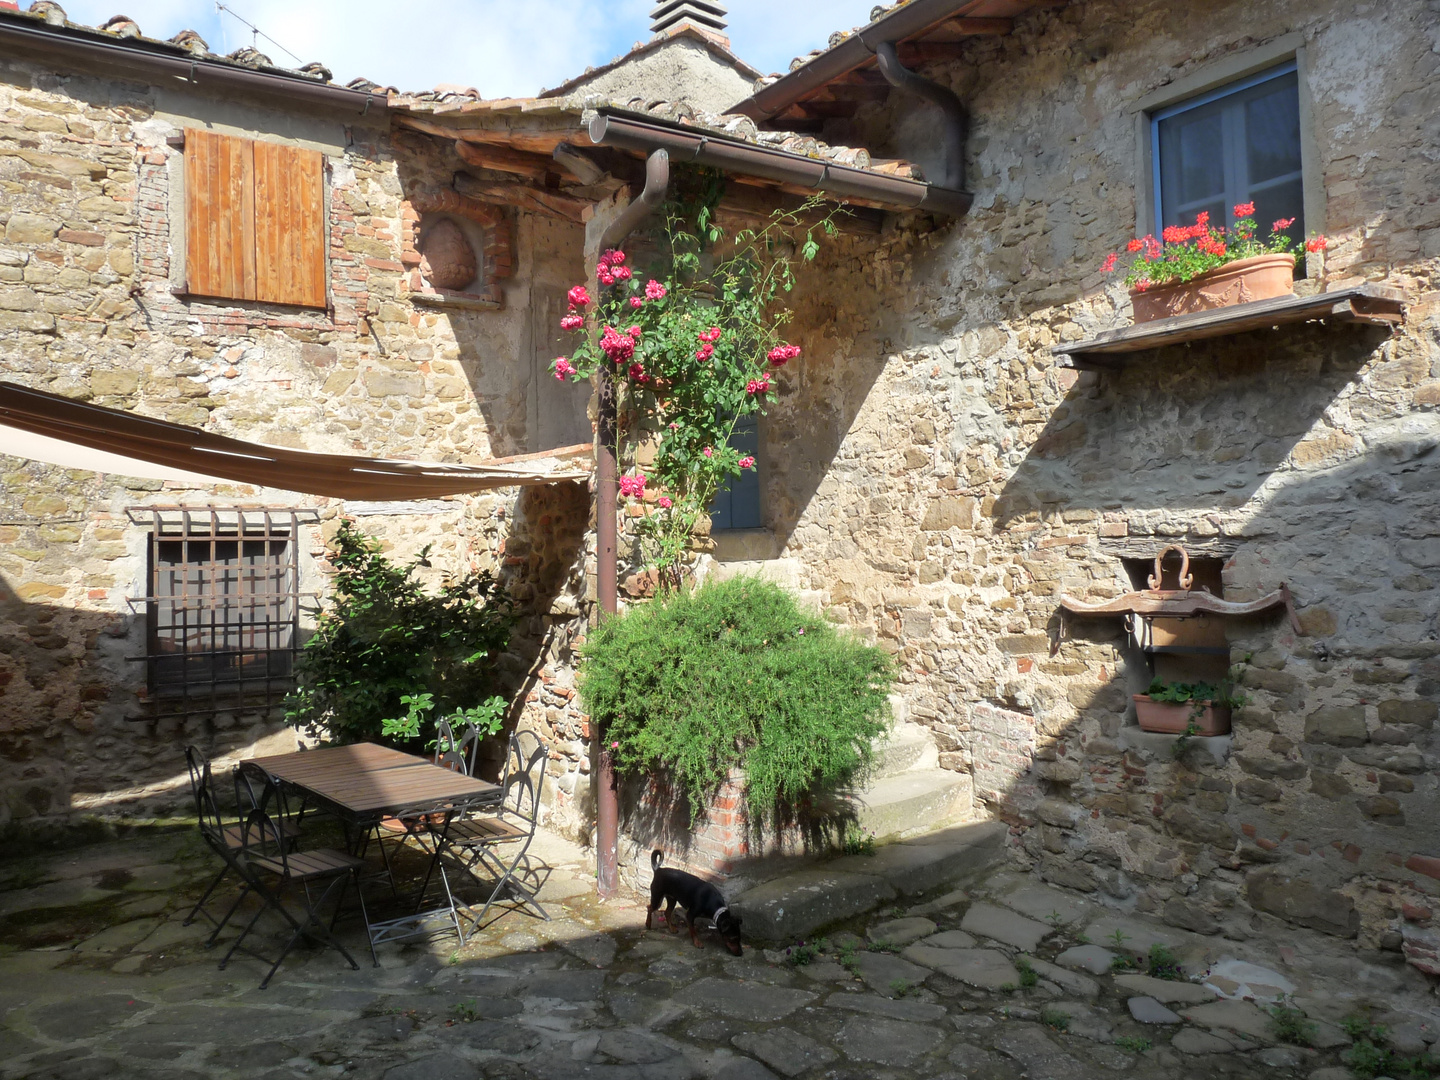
pixel 531 140
pixel 928 52
pixel 953 29
pixel 531 199
pixel 503 159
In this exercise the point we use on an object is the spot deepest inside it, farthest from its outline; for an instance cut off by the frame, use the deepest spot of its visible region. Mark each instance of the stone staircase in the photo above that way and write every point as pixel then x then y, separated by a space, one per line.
pixel 909 794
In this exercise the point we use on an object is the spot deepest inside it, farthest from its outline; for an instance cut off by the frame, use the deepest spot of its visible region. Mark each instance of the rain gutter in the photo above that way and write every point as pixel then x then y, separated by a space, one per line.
pixel 30 37
pixel 906 21
pixel 631 131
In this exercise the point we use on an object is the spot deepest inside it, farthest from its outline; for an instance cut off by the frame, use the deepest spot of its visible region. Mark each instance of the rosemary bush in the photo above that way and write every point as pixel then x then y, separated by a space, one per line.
pixel 735 674
pixel 387 645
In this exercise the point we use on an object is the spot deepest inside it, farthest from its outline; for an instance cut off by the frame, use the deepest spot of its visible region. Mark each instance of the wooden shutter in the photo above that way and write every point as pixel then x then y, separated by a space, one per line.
pixel 255 220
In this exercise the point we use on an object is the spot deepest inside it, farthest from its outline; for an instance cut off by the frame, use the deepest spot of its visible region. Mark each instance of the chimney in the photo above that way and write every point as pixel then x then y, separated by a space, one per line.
pixel 704 15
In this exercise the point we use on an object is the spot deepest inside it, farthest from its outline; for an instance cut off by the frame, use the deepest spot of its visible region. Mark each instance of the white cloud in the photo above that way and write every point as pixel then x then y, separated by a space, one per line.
pixel 501 47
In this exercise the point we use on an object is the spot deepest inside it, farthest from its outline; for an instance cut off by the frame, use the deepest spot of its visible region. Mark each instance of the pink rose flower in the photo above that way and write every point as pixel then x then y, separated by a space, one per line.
pixel 620 273
pixel 572 322
pixel 665 502
pixel 637 302
pixel 747 462
pixel 618 347
pixel 783 354
pixel 563 368
pixel 634 332
pixel 633 486
pixel 705 351
pixel 654 290
pixel 708 451
pixel 578 296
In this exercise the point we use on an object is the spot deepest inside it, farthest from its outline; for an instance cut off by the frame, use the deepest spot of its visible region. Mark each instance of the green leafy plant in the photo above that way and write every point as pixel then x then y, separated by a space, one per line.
pixel 1162 963
pixel 901 987
pixel 884 946
pixel 465 1011
pixel 1187 251
pixel 1290 1025
pixel 1121 963
pixel 1369 1057
pixel 734 673
pixel 1118 937
pixel 1134 1043
pixel 802 953
pixel 1054 1018
pixel 487 718
pixel 1028 975
pixel 858 841
pixel 694 344
pixel 386 638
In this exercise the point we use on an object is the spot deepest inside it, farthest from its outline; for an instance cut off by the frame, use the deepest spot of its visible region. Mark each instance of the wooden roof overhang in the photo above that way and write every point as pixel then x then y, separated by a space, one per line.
pixel 836 82
pixel 557 160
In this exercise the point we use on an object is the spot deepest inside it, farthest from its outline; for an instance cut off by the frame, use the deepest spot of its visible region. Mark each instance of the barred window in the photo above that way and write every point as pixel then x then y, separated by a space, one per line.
pixel 222 608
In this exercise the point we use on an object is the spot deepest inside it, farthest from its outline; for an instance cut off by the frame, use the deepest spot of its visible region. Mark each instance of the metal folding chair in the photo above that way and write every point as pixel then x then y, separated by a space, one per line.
pixel 271 869
pixel 499 842
pixel 222 838
pixel 457 754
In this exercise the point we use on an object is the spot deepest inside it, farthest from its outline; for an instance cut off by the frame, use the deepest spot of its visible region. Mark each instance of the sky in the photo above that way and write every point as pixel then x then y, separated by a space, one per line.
pixel 503 48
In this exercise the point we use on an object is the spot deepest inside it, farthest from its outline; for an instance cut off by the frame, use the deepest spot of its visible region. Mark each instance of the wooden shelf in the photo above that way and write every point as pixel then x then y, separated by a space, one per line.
pixel 1365 304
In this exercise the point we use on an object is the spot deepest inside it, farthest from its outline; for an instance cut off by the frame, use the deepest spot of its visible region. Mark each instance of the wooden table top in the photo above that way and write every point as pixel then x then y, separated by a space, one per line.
pixel 365 779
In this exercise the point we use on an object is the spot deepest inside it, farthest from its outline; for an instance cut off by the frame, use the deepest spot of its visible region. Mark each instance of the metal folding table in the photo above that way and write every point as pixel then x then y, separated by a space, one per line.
pixel 364 783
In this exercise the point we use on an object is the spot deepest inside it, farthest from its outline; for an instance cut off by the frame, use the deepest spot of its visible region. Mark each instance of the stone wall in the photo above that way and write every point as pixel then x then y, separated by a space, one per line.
pixel 90 308
pixel 941 478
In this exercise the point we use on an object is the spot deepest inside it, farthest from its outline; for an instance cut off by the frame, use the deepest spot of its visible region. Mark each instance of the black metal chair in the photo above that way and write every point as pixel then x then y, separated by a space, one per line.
pixel 222 838
pixel 457 754
pixel 271 870
pixel 499 842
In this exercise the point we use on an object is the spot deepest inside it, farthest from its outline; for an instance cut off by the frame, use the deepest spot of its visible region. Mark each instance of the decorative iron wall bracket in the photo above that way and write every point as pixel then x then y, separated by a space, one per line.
pixel 1181 603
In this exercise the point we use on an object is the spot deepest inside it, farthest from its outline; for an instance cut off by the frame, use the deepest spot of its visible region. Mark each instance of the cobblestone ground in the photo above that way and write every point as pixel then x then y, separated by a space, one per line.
pixel 98 978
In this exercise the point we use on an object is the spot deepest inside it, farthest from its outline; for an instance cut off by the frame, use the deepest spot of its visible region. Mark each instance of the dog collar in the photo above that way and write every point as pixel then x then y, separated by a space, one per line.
pixel 715 919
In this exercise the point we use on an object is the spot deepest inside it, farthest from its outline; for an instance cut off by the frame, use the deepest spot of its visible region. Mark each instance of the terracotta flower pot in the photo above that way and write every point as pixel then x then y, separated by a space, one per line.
pixel 1169 718
pixel 1259 278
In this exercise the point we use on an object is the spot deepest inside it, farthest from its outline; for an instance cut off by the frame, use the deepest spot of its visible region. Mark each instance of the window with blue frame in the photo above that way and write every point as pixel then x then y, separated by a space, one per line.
pixel 1236 144
pixel 737 504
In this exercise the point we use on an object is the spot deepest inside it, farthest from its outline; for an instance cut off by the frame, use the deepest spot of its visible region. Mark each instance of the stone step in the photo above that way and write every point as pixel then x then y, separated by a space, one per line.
pixel 908 746
pixel 915 801
pixel 796 904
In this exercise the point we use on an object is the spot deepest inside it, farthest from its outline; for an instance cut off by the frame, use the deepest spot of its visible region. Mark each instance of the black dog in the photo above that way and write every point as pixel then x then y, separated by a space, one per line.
pixel 700 899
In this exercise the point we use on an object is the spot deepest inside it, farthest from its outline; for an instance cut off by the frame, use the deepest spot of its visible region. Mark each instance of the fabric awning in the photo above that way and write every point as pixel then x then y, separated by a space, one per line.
pixel 73 434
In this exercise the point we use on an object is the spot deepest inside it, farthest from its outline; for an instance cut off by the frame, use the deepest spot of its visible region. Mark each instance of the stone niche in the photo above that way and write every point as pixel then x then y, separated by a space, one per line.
pixel 457 250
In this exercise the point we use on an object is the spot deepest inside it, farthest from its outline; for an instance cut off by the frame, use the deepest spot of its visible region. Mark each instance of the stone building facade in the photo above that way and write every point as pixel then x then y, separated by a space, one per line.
pixel 940 477
pixel 935 475
pixel 93 306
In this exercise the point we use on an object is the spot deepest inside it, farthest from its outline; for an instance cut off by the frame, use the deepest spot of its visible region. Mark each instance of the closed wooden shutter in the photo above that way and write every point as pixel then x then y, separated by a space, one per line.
pixel 255 220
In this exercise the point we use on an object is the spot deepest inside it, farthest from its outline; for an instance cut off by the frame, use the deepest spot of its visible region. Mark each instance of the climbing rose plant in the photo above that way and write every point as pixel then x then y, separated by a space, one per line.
pixel 692 353
pixel 1187 251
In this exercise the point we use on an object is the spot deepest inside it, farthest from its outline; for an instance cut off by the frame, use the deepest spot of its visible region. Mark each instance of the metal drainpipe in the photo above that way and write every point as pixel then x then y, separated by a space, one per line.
pixel 607 482
pixel 957 122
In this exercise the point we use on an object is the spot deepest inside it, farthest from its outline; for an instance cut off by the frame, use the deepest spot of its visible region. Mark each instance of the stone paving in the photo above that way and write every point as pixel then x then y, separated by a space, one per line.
pixel 1004 978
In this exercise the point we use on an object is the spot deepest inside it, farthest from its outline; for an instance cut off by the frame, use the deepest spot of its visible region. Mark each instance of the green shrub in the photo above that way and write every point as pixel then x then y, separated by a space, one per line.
pixel 1028 975
pixel 735 674
pixel 1136 1044
pixel 388 649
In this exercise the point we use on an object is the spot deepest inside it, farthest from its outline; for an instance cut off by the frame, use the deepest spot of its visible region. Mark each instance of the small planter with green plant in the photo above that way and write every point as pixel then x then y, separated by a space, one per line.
pixel 1186 709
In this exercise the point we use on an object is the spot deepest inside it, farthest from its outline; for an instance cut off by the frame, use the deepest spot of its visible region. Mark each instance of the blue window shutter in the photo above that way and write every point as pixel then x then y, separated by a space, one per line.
pixel 737 504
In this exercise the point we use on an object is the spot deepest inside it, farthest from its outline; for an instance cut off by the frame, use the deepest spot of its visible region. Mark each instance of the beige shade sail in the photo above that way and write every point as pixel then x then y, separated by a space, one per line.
pixel 73 434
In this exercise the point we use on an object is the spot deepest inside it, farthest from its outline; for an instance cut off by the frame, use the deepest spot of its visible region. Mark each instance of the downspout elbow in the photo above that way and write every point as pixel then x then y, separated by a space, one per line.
pixel 657 183
pixel 957 121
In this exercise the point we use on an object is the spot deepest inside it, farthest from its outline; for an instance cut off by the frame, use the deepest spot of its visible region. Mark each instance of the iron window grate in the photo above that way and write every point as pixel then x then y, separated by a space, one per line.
pixel 222 608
